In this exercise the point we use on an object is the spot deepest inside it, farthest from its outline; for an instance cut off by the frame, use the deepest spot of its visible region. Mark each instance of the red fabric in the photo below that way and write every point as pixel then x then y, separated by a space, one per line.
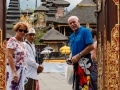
pixel 83 78
pixel 37 85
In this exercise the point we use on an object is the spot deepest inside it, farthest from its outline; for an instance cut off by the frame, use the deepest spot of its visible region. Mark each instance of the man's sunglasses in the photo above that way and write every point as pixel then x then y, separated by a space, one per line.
pixel 21 30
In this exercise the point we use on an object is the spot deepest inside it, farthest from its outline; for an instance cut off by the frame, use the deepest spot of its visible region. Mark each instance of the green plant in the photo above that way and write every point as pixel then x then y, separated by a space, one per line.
pixel 39 34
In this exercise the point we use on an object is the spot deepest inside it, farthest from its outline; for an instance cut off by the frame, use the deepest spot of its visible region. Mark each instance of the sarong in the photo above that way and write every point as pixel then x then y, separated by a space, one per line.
pixel 82 74
pixel 94 74
pixel 32 84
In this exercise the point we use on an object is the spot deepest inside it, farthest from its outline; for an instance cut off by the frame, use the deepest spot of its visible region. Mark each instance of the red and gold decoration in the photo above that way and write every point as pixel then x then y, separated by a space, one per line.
pixel 116 2
pixel 108 51
pixel 2 64
pixel 100 62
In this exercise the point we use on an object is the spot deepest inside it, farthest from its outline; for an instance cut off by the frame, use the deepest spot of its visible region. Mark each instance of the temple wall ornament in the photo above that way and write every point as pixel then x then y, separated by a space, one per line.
pixel 100 62
pixel 108 55
pixel 111 60
pixel 99 5
pixel 2 64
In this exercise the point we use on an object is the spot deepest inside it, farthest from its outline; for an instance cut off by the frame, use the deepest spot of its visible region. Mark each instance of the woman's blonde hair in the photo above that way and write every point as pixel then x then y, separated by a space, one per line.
pixel 17 25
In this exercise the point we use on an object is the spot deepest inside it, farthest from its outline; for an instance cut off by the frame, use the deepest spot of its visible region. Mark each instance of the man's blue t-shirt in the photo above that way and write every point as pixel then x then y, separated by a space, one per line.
pixel 80 40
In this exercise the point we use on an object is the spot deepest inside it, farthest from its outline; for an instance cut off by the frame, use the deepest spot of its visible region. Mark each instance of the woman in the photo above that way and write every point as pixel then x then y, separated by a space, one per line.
pixel 16 54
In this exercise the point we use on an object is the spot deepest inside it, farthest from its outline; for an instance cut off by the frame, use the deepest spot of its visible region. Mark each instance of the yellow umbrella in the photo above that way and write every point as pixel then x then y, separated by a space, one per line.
pixel 65 51
pixel 64 48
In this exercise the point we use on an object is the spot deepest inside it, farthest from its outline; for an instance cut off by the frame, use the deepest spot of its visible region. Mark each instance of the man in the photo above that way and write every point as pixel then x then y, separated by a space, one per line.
pixel 32 67
pixel 93 56
pixel 81 44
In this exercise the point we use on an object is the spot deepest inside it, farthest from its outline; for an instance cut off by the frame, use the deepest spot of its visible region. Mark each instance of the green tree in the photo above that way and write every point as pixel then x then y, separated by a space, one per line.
pixel 39 34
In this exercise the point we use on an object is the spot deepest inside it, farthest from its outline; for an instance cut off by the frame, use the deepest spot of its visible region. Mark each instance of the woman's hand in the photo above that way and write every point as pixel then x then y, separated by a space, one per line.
pixel 15 77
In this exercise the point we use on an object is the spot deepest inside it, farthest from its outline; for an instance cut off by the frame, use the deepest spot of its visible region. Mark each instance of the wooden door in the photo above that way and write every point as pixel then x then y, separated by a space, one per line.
pixel 3 18
pixel 2 45
pixel 108 25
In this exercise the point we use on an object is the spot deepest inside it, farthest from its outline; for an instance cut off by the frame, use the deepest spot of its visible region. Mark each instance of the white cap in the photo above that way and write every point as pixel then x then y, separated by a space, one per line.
pixel 31 30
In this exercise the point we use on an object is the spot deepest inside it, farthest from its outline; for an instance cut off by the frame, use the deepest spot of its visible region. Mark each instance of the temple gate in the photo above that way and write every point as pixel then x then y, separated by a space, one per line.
pixel 108 53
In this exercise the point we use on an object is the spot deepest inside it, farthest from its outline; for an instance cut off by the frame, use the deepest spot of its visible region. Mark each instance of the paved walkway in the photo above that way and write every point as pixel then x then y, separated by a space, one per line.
pixel 53 81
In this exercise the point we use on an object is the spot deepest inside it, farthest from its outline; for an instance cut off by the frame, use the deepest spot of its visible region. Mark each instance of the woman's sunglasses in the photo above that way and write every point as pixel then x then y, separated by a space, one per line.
pixel 21 30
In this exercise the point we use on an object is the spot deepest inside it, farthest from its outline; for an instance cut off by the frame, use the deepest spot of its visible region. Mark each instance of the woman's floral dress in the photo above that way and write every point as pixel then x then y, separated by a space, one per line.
pixel 19 59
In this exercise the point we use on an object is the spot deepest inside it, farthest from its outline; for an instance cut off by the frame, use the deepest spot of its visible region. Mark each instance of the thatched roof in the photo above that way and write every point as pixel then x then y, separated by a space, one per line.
pixel 61 2
pixel 53 35
pixel 84 11
pixel 10 32
pixel 8 35
pixel 41 8
pixel 87 3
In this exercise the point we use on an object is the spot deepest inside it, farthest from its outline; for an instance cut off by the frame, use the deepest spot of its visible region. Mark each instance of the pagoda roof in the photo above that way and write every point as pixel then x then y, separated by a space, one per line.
pixel 84 11
pixel 11 20
pixel 87 3
pixel 8 35
pixel 13 5
pixel 14 2
pixel 11 32
pixel 13 15
pixel 13 8
pixel 50 19
pixel 48 1
pixel 53 8
pixel 53 35
pixel 61 2
pixel 13 12
pixel 53 14
pixel 41 8
pixel 43 0
pixel 10 25
pixel 44 4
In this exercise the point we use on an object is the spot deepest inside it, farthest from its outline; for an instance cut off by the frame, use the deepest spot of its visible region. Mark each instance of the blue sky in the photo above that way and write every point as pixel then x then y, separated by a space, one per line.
pixel 31 3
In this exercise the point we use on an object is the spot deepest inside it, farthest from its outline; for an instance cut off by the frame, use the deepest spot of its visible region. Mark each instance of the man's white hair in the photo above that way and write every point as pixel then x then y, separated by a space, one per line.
pixel 75 17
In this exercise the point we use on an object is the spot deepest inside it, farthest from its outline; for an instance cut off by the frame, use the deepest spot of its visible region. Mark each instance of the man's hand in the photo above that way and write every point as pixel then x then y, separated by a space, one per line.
pixel 40 69
pixel 75 59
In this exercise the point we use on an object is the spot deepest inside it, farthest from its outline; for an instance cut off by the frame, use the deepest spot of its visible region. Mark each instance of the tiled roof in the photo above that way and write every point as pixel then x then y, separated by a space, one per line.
pixel 53 35
pixel 11 32
pixel 50 19
pixel 84 13
pixel 41 8
pixel 87 3
pixel 61 2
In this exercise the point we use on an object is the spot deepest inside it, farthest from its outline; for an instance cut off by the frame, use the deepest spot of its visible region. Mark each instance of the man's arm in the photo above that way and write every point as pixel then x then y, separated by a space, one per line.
pixel 87 50
pixel 30 60
pixel 94 52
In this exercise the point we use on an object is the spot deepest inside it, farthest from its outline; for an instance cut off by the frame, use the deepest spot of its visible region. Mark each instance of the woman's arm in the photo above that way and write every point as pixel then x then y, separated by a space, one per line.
pixel 10 53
